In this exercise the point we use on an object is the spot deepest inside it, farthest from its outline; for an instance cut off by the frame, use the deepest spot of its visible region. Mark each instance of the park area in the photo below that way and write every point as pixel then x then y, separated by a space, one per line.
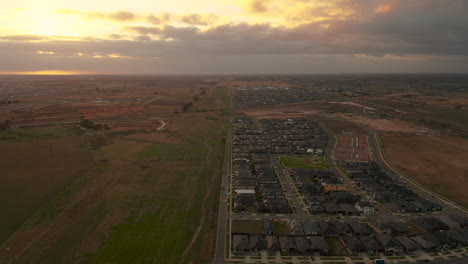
pixel 318 163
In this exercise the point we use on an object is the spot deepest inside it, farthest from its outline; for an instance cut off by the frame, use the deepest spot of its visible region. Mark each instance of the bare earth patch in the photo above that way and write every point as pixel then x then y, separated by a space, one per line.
pixel 385 125
pixel 440 163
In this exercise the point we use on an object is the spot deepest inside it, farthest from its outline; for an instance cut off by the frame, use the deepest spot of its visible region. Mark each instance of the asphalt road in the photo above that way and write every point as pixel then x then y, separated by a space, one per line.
pixel 223 213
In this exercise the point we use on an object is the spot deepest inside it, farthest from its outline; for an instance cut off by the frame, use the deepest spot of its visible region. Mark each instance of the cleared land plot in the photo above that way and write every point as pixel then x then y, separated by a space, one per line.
pixel 439 163
pixel 304 163
pixel 34 171
pixel 247 226
pixel 336 247
pixel 350 147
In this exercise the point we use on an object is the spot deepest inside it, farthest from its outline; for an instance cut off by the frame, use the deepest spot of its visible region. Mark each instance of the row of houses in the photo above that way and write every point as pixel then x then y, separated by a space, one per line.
pixel 257 187
pixel 393 194
pixel 325 194
pixel 430 241
pixel 243 244
pixel 309 237
pixel 279 136
pixel 254 96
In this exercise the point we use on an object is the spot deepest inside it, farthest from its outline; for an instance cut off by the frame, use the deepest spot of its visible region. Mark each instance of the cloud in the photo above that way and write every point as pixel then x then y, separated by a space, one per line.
pixel 118 16
pixel 351 30
pixel 155 19
pixel 257 6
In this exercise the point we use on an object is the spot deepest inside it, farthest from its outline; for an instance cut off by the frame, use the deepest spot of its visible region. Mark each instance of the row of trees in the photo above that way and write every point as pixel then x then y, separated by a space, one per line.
pixel 5 125
pixel 7 101
pixel 88 124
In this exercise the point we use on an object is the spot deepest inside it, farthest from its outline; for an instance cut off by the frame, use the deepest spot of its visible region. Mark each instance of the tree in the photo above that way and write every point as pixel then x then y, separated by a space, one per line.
pixel 5 125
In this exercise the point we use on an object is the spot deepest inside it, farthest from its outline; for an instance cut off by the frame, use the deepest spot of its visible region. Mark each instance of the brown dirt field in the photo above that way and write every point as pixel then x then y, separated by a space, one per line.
pixel 339 126
pixel 386 125
pixel 439 163
pixel 72 112
pixel 354 104
pixel 33 172
pixel 352 148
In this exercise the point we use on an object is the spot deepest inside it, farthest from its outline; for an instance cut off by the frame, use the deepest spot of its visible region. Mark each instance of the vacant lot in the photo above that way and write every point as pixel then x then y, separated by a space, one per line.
pixel 247 226
pixel 439 163
pixel 33 172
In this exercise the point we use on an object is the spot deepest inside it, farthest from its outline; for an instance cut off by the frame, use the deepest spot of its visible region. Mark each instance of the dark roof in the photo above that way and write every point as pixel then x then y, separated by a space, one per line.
pixel 407 244
pixel 327 228
pixel 269 226
pixel 310 227
pixel 272 243
pixel 353 244
pixel 258 242
pixel 302 244
pixel 342 228
pixel 424 243
pixel 318 243
pixel 430 224
pixel 240 242
pixel 387 241
pixel 360 228
pixel 398 227
pixel 287 243
pixel 370 244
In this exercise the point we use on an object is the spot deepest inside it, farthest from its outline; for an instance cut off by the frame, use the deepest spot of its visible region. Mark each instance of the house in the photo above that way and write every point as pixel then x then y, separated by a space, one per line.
pixel 344 197
pixel 269 227
pixel 327 229
pixel 398 228
pixel 287 245
pixel 318 244
pixel 459 235
pixel 342 228
pixel 380 228
pixel 257 243
pixel 452 224
pixel 302 244
pixel 354 245
pixel 371 245
pixel 462 220
pixel 348 209
pixel 440 239
pixel 272 243
pixel 365 208
pixel 317 210
pixel 425 244
pixel 430 224
pixel 240 244
pixel 360 229
pixel 408 245
pixel 296 227
pixel 311 228
pixel 389 245
pixel 332 208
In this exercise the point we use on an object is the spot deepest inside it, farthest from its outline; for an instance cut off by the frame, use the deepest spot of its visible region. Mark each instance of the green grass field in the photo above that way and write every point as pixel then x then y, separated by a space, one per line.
pixel 336 247
pixel 147 198
pixel 33 173
pixel 303 163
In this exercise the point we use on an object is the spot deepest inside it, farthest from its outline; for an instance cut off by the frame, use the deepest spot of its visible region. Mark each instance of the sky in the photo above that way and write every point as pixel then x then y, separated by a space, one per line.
pixel 233 36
